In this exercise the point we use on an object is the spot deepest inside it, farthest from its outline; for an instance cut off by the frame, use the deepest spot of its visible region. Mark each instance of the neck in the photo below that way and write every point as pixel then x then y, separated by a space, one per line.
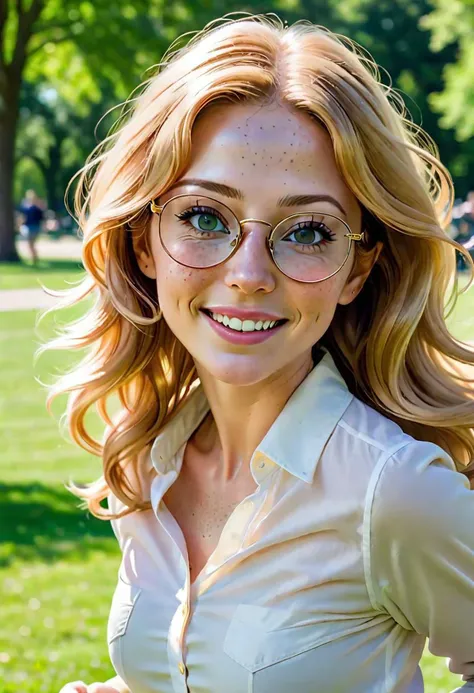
pixel 240 416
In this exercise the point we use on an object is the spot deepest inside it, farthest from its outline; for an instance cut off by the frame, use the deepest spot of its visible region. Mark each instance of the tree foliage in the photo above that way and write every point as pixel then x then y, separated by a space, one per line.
pixel 452 23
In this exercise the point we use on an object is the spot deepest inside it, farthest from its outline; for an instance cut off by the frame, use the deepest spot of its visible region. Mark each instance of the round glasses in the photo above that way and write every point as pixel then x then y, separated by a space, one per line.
pixel 201 232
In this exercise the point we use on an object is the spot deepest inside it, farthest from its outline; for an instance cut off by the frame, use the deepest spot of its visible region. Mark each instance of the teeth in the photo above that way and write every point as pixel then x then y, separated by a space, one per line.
pixel 248 326
pixel 235 324
pixel 243 325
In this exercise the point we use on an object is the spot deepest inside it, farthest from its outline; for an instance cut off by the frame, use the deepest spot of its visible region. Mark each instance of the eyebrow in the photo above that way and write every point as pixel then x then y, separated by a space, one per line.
pixel 235 194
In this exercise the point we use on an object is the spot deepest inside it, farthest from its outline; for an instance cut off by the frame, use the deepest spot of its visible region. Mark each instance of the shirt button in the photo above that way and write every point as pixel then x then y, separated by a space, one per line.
pixel 181 668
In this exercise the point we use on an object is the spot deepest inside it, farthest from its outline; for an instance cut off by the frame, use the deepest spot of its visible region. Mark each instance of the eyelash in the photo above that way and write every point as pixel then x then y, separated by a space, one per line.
pixel 316 226
pixel 188 213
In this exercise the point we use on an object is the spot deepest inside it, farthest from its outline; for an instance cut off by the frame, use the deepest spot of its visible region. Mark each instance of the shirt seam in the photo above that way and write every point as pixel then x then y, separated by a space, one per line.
pixel 361 436
pixel 367 524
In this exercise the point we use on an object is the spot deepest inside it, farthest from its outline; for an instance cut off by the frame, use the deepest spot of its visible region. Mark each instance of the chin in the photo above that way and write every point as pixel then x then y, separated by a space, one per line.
pixel 240 371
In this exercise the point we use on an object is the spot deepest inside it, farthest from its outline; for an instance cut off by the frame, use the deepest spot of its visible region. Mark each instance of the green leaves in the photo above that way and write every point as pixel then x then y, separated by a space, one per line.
pixel 452 21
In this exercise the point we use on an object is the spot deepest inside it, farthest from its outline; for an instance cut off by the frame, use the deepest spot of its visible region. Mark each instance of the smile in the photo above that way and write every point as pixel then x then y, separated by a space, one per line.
pixel 244 332
pixel 243 325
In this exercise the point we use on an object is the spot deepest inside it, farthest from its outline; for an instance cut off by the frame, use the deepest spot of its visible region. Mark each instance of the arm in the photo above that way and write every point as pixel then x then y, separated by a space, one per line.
pixel 421 526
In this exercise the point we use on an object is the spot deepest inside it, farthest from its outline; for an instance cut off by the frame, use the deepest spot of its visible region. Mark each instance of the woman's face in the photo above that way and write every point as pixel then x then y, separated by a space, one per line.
pixel 266 154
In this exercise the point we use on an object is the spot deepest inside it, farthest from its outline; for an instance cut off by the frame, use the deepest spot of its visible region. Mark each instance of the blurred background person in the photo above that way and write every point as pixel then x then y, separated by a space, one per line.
pixel 33 215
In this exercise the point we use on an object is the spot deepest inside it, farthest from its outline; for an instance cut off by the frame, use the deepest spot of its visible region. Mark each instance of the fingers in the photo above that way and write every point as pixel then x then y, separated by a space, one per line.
pixel 74 687
pixel 80 687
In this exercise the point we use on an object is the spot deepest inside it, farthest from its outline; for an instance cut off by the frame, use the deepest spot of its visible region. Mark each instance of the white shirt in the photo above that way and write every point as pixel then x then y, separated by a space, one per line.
pixel 357 544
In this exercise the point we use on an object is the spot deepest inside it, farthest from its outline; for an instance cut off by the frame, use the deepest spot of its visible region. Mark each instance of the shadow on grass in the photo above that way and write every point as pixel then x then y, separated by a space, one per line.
pixel 59 265
pixel 44 522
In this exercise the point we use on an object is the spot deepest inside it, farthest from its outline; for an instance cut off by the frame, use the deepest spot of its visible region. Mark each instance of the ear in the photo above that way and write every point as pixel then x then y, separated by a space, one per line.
pixel 143 254
pixel 362 269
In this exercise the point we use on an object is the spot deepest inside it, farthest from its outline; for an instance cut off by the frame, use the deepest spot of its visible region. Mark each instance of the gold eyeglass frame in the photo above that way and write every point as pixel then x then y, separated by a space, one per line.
pixel 158 210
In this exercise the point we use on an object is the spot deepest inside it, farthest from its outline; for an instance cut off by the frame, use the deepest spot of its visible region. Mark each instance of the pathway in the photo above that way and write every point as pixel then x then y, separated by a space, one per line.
pixel 36 299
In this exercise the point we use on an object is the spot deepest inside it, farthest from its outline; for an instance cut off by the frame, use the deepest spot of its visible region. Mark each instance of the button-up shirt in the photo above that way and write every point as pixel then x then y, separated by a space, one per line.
pixel 357 545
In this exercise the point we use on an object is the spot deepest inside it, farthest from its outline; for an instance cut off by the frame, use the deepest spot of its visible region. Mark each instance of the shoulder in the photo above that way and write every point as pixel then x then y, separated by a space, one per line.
pixel 362 441
pixel 378 460
pixel 416 494
pixel 363 425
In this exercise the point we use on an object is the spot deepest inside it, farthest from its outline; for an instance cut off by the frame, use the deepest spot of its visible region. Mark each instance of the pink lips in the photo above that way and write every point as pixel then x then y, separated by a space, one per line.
pixel 244 338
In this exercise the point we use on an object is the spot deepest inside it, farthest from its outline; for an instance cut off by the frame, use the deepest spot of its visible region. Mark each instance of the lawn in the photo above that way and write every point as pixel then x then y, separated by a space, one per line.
pixel 53 273
pixel 57 565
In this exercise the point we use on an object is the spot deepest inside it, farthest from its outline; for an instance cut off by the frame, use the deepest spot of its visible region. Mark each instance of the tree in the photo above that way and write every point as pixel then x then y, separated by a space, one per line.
pixel 452 24
pixel 53 38
pixel 56 137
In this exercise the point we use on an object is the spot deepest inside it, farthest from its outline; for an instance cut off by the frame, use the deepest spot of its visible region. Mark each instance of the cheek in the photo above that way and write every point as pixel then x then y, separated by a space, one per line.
pixel 177 284
pixel 318 302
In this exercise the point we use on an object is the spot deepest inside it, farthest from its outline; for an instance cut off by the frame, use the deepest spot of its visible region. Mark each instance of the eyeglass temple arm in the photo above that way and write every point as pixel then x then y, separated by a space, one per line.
pixel 156 209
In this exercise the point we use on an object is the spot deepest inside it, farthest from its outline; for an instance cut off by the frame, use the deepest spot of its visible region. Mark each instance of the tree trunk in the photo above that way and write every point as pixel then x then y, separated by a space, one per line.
pixel 52 174
pixel 10 80
pixel 8 252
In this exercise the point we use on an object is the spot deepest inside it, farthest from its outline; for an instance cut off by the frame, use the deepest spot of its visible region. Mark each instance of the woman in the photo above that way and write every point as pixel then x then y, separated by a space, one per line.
pixel 288 469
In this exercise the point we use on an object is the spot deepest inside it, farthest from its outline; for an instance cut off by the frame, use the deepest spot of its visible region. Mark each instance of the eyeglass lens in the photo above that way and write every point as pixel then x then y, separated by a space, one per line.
pixel 202 232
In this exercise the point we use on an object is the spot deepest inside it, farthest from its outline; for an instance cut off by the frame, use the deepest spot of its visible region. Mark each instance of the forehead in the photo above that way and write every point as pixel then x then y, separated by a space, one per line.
pixel 266 151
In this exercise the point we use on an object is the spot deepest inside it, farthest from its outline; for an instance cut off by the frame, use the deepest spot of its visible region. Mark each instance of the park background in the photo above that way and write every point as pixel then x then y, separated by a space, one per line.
pixel 63 65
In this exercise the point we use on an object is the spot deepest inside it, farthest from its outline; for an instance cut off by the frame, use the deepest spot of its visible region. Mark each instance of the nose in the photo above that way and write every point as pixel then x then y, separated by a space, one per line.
pixel 251 268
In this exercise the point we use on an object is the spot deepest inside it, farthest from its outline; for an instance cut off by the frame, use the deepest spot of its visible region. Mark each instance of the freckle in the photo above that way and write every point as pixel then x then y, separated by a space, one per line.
pixel 291 161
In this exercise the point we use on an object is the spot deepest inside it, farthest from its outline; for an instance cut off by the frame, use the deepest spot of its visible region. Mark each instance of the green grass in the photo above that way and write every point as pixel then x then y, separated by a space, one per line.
pixel 58 565
pixel 53 273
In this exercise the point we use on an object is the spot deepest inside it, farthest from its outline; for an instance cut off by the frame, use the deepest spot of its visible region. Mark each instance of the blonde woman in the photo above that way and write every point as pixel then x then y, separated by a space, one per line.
pixel 288 466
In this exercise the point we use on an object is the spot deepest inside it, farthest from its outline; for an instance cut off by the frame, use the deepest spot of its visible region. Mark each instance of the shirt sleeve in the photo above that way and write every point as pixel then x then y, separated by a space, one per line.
pixel 421 551
pixel 119 684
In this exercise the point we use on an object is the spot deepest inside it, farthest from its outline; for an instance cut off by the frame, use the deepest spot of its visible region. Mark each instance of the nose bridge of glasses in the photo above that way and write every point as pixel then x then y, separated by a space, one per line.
pixel 255 221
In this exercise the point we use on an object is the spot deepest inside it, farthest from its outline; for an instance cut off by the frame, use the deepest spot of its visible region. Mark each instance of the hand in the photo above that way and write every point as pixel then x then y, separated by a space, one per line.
pixel 80 687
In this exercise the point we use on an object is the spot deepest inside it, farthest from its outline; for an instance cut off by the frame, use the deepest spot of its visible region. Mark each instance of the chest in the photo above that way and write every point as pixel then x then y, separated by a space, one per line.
pixel 201 507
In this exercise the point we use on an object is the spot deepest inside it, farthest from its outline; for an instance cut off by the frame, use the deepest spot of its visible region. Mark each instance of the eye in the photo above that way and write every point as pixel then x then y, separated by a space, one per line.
pixel 204 219
pixel 309 233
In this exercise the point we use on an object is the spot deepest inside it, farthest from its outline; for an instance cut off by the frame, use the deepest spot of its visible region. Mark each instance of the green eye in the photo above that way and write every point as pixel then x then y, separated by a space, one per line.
pixel 206 222
pixel 305 236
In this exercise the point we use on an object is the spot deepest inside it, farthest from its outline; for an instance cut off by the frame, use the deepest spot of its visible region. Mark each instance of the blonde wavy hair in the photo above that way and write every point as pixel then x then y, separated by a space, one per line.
pixel 391 343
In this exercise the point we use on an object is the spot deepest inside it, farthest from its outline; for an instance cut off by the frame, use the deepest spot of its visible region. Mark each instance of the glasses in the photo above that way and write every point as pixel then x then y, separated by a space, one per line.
pixel 201 232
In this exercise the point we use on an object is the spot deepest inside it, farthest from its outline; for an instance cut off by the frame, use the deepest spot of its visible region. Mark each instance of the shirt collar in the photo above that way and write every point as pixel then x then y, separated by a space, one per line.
pixel 297 437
